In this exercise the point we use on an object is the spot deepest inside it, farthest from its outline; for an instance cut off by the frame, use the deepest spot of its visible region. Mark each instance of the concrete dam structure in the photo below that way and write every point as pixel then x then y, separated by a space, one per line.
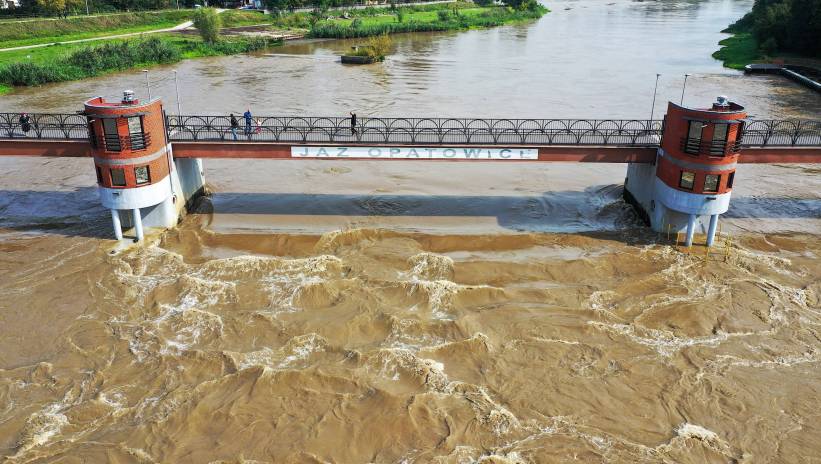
pixel 148 164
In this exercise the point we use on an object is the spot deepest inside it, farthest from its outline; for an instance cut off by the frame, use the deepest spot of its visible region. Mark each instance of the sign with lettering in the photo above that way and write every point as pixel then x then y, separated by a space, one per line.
pixel 411 153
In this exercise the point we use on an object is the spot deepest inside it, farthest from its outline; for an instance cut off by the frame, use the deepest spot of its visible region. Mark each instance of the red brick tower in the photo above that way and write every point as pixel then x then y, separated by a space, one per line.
pixel 695 168
pixel 132 159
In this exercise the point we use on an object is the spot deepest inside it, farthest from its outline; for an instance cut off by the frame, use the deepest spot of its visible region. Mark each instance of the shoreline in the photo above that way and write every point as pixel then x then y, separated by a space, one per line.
pixel 179 46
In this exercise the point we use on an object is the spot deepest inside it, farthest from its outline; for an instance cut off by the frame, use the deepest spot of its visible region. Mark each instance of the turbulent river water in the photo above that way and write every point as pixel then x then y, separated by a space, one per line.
pixel 421 312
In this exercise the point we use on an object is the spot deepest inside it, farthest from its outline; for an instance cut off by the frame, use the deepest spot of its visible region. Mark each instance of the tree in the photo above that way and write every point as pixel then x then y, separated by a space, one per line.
pixel 55 7
pixel 522 4
pixel 208 23
pixel 792 25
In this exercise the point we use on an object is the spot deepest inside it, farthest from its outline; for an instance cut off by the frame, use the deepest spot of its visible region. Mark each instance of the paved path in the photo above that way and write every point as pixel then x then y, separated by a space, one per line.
pixel 178 27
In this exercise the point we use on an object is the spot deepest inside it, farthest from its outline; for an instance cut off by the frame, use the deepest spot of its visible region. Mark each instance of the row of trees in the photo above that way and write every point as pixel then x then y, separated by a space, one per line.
pixel 285 5
pixel 63 7
pixel 322 5
pixel 59 7
pixel 66 7
pixel 786 25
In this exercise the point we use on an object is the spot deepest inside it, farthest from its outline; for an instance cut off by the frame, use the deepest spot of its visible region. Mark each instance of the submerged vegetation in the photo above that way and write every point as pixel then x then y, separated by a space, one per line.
pixel 376 48
pixel 773 27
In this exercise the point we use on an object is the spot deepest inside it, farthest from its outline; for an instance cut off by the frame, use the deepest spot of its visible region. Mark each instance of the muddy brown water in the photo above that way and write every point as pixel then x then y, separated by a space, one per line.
pixel 421 312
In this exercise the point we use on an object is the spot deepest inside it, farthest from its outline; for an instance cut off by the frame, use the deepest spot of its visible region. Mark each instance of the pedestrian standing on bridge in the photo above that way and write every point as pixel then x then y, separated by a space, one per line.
pixel 234 126
pixel 25 122
pixel 353 123
pixel 249 121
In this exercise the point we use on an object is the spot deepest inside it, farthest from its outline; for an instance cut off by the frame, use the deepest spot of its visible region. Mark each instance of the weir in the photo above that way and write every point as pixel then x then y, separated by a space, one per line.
pixel 680 170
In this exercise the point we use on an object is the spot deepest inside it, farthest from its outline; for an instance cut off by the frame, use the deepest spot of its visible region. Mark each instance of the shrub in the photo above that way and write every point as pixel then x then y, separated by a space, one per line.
pixel 27 73
pixel 400 15
pixel 483 2
pixel 379 46
pixel 444 15
pixel 122 55
pixel 208 23
pixel 294 20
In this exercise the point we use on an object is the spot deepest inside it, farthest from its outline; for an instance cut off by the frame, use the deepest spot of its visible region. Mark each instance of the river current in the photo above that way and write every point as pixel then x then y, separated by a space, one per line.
pixel 371 312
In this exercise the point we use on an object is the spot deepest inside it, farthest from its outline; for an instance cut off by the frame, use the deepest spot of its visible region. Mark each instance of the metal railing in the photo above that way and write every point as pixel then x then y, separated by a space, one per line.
pixel 707 147
pixel 417 131
pixel 59 126
pixel 782 133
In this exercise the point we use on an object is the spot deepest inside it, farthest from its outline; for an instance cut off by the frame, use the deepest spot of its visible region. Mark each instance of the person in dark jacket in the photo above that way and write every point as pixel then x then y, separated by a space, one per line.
pixel 234 126
pixel 249 120
pixel 353 123
pixel 25 122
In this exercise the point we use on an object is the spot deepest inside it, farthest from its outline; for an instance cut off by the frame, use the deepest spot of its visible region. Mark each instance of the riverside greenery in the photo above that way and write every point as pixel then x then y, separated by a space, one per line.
pixel 117 56
pixel 773 27
pixel 21 33
pixel 376 47
pixel 428 18
pixel 74 61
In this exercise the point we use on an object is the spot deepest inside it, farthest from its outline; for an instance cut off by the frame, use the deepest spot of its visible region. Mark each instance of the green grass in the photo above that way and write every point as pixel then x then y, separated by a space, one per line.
pixel 50 31
pixel 738 51
pixel 78 61
pixel 235 18
pixel 5 89
pixel 47 31
pixel 422 20
pixel 417 16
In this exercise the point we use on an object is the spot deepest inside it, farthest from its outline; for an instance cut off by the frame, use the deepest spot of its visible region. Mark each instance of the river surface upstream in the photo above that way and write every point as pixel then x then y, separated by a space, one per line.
pixel 371 312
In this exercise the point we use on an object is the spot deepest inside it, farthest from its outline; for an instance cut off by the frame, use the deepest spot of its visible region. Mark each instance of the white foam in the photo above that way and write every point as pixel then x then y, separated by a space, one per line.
pixel 41 427
pixel 687 430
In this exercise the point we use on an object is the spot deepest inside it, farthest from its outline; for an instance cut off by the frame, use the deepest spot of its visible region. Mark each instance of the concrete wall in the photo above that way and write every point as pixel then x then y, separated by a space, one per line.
pixel 655 201
pixel 183 186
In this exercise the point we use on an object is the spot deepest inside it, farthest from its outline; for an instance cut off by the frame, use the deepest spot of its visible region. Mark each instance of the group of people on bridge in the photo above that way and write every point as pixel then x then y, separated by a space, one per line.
pixel 252 126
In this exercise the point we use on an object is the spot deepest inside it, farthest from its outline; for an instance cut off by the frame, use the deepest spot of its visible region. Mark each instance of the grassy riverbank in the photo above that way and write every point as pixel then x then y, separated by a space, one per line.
pixel 418 18
pixel 73 61
pixel 441 17
pixel 773 29
pixel 738 51
pixel 118 55
pixel 18 34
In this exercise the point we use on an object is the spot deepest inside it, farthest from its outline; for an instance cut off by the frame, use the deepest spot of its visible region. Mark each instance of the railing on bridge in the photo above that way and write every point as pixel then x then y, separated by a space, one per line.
pixel 58 126
pixel 420 131
pixel 616 132
pixel 781 133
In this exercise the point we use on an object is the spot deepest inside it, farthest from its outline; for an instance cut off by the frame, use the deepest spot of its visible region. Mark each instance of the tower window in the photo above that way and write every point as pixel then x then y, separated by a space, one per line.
pixel 730 180
pixel 142 175
pixel 720 133
pixel 111 135
pixel 118 177
pixel 135 133
pixel 692 144
pixel 687 180
pixel 711 182
pixel 99 174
